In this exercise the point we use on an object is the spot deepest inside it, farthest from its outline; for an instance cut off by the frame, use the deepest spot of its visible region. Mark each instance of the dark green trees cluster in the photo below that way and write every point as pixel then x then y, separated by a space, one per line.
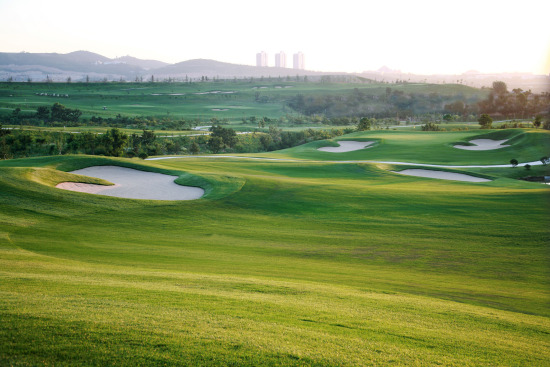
pixel 485 121
pixel 62 113
pixel 56 113
pixel 515 104
pixel 430 126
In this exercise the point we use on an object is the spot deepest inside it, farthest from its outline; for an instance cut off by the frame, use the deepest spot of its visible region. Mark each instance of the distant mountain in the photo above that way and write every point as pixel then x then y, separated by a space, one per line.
pixel 212 68
pixel 144 64
pixel 76 65
pixel 81 65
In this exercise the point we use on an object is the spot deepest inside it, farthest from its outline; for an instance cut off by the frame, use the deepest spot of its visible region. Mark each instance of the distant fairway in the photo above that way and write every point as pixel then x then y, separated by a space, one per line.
pixel 236 99
pixel 304 262
pixel 432 147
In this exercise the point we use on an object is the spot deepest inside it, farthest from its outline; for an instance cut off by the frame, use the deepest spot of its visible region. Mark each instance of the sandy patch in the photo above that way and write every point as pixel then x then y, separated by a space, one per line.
pixel 133 184
pixel 483 144
pixel 441 175
pixel 347 146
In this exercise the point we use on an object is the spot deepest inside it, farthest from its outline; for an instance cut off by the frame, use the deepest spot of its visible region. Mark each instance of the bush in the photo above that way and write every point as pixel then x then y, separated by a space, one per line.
pixel 430 126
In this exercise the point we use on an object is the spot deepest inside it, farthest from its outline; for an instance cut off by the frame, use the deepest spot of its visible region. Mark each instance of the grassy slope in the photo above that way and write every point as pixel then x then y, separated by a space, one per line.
pixel 432 147
pixel 308 263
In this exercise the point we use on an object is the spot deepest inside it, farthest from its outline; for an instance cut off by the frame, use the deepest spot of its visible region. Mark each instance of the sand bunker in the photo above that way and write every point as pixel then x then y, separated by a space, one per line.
pixel 347 146
pixel 483 144
pixel 133 184
pixel 441 175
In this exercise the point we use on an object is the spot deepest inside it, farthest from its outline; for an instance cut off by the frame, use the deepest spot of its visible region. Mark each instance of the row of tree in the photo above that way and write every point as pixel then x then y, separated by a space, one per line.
pixel 24 143
pixel 515 104
pixel 389 104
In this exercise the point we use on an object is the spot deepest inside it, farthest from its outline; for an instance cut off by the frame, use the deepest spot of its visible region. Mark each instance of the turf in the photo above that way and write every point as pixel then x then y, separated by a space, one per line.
pixel 282 263
pixel 526 145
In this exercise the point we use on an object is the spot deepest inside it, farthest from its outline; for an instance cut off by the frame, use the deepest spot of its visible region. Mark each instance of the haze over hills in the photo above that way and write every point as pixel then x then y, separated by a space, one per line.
pixel 83 65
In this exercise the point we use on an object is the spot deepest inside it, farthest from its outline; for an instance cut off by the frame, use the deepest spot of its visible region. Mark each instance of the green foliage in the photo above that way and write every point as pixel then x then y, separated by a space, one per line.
pixel 365 124
pixel 430 126
pixel 537 121
pixel 62 113
pixel 114 141
pixel 500 87
pixel 227 135
pixel 195 148
pixel 215 144
pixel 485 121
pixel 514 162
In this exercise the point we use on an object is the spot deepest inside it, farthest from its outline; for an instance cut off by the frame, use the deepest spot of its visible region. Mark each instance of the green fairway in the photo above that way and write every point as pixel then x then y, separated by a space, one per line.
pixel 226 99
pixel 304 262
pixel 432 147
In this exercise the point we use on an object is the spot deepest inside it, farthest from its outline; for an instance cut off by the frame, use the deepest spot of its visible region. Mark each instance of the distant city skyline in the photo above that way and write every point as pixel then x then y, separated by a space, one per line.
pixel 422 37
pixel 298 60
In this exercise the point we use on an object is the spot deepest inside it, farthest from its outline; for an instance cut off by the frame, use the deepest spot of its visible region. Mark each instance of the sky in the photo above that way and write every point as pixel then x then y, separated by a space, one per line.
pixel 421 36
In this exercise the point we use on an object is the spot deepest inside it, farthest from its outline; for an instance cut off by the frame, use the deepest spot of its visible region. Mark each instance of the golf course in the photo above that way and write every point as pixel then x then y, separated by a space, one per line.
pixel 297 257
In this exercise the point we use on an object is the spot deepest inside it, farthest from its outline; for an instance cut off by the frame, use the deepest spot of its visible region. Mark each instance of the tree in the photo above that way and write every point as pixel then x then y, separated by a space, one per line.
pixel 42 112
pixel 544 160
pixel 62 113
pixel 500 88
pixel 5 147
pixel 514 162
pixel 195 148
pixel 365 124
pixel 538 121
pixel 114 141
pixel 528 167
pixel 485 121
pixel 266 141
pixel 215 144
pixel 228 136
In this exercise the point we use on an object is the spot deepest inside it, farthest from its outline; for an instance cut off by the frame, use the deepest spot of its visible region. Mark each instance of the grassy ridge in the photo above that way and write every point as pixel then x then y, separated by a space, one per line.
pixel 287 263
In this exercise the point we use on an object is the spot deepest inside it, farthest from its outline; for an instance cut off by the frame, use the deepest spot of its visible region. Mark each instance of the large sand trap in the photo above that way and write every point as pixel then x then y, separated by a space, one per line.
pixel 133 184
pixel 441 175
pixel 347 146
pixel 483 144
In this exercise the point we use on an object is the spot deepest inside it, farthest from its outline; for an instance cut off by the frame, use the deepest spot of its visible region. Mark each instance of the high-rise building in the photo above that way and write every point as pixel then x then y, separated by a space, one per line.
pixel 261 59
pixel 299 61
pixel 280 60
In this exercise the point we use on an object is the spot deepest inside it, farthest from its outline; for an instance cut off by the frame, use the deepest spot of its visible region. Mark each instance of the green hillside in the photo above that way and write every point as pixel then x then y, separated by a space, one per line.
pixel 282 263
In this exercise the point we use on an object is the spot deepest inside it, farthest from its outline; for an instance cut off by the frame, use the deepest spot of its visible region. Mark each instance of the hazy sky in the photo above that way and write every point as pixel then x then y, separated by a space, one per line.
pixel 417 36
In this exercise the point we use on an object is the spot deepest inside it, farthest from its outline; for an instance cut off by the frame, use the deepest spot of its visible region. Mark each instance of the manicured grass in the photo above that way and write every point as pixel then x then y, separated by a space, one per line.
pixel 282 263
pixel 235 99
pixel 432 147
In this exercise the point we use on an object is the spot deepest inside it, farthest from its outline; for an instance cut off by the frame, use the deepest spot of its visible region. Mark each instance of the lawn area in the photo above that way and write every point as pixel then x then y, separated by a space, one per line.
pixel 526 145
pixel 306 262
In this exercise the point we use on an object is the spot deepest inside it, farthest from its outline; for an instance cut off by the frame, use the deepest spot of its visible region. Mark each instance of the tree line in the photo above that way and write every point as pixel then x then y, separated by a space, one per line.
pixel 517 104
pixel 16 143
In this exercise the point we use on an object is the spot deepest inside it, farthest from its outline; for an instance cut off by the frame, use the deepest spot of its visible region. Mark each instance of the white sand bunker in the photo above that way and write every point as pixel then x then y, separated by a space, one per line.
pixel 483 144
pixel 347 146
pixel 133 184
pixel 441 175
